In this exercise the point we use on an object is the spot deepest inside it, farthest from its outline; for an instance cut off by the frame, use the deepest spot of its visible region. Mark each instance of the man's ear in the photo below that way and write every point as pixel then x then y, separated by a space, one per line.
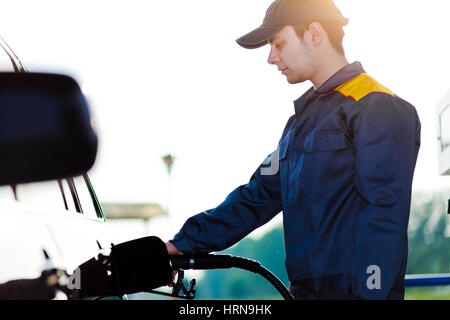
pixel 318 33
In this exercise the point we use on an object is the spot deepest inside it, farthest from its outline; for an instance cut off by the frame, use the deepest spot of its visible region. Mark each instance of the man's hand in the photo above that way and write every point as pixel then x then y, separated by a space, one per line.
pixel 172 250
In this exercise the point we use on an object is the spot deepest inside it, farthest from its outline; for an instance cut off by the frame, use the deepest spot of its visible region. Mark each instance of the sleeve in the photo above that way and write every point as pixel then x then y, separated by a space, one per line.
pixel 386 141
pixel 245 209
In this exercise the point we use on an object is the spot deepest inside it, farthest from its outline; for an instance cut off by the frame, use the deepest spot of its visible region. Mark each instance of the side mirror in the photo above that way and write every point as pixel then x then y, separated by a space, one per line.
pixel 45 128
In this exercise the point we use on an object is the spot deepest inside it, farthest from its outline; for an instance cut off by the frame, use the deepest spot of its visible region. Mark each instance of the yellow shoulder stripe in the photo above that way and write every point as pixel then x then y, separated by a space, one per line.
pixel 360 86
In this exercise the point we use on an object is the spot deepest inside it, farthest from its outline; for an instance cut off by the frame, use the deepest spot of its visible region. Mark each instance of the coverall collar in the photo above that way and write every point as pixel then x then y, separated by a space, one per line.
pixel 346 73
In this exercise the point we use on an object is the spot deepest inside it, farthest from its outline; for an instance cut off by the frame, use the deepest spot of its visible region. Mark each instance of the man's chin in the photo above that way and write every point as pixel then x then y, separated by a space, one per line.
pixel 294 80
pixel 290 81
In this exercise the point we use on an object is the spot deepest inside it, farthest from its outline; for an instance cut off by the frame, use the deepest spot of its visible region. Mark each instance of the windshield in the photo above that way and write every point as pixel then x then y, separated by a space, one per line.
pixel 9 62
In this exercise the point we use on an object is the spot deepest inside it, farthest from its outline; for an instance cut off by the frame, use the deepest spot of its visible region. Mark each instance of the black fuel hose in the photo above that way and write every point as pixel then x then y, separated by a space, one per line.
pixel 223 261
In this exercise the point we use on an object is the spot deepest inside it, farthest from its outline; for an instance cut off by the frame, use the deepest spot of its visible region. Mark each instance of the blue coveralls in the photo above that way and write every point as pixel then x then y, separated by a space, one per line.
pixel 343 180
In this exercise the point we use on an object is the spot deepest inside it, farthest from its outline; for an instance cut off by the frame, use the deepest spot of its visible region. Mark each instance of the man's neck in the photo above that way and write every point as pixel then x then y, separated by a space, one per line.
pixel 328 68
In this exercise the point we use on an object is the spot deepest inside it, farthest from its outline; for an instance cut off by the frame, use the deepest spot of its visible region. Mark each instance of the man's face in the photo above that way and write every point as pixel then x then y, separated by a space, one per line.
pixel 292 56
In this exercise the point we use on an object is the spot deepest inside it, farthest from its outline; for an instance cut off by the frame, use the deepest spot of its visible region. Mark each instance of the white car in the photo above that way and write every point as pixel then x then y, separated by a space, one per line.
pixel 49 214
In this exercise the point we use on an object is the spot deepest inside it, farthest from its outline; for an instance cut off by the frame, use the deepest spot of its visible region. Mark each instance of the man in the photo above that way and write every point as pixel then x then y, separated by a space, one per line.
pixel 342 173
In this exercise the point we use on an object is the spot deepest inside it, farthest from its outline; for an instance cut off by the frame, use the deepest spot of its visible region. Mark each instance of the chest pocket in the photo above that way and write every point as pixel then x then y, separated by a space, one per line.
pixel 326 141
pixel 329 159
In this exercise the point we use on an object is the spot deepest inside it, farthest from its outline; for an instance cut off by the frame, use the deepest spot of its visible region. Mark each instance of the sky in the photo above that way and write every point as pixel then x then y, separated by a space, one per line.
pixel 168 77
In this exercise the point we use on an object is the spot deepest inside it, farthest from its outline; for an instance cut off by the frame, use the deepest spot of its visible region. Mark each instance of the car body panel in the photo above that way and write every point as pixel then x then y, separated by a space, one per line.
pixel 69 238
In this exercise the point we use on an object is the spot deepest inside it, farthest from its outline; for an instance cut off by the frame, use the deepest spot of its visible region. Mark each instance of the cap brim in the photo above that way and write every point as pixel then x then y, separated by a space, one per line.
pixel 258 37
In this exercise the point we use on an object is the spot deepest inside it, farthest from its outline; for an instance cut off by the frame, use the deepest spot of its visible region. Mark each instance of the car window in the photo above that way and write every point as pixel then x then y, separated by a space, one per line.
pixel 68 197
pixel 5 62
pixel 87 200
pixel 41 195
pixel 9 62
pixel 67 194
pixel 6 192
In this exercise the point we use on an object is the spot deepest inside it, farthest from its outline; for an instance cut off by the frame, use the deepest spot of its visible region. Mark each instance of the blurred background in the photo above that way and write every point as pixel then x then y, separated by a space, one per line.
pixel 167 78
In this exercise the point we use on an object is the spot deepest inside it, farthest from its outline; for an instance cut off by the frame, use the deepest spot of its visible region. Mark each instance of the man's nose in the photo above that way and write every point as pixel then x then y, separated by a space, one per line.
pixel 273 56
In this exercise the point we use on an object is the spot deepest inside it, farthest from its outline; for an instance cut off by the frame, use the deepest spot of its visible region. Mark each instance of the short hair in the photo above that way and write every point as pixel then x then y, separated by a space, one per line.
pixel 333 28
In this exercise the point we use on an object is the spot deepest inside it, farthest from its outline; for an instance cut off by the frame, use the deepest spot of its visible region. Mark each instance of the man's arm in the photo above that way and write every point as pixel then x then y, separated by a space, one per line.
pixel 245 209
pixel 386 141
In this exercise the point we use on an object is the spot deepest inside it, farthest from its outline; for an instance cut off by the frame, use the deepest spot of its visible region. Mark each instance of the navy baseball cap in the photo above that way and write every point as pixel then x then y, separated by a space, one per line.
pixel 290 12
